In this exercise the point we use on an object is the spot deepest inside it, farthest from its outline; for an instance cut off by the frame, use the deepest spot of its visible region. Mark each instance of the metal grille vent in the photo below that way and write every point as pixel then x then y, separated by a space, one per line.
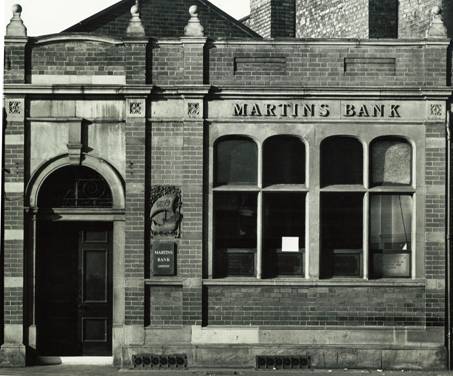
pixel 151 361
pixel 283 362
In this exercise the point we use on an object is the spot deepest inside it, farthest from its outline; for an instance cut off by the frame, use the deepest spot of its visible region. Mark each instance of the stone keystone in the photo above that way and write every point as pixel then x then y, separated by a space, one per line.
pixel 16 27
pixel 437 27
pixel 135 27
pixel 194 27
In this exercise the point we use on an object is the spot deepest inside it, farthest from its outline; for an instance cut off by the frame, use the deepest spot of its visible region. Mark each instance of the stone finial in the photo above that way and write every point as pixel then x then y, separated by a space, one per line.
pixel 16 27
pixel 135 27
pixel 194 27
pixel 436 27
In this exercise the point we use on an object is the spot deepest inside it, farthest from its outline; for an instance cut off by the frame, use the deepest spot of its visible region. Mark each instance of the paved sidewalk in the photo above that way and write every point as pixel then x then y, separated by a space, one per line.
pixel 63 370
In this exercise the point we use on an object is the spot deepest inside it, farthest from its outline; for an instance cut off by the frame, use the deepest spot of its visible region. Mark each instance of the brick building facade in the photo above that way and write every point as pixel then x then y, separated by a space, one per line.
pixel 182 192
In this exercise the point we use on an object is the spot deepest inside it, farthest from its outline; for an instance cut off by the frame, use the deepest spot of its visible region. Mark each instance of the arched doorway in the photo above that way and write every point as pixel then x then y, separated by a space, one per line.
pixel 78 237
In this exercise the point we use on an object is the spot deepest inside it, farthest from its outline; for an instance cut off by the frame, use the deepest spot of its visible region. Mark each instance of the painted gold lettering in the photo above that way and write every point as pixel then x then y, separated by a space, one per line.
pixel 378 111
pixel 284 108
pixel 270 110
pixel 363 112
pixel 324 110
pixel 394 111
pixel 256 111
pixel 350 110
pixel 240 110
pixel 309 110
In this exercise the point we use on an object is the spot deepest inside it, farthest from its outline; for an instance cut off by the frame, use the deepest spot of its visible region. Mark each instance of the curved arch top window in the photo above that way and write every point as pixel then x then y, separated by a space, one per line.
pixel 391 162
pixel 341 161
pixel 284 161
pixel 236 161
pixel 75 187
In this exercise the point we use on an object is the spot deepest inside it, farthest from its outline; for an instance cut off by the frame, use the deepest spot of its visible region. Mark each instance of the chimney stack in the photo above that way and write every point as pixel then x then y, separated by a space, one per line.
pixel 273 18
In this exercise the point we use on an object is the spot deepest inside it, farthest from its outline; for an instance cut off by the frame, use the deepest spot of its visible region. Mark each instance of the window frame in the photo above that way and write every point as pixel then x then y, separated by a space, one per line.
pixel 312 134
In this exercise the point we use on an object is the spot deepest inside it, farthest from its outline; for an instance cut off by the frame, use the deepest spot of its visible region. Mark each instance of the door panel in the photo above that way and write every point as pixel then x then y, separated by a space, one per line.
pixel 74 289
pixel 95 291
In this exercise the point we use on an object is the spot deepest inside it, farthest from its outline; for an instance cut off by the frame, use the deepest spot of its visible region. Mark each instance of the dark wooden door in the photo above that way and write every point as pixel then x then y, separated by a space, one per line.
pixel 74 289
pixel 95 293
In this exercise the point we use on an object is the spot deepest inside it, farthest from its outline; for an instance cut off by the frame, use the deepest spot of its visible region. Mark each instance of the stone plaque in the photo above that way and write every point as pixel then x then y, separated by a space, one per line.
pixel 164 258
pixel 392 265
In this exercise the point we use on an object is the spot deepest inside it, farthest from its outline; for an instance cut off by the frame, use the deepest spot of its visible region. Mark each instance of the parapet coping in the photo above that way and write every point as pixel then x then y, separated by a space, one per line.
pixel 66 37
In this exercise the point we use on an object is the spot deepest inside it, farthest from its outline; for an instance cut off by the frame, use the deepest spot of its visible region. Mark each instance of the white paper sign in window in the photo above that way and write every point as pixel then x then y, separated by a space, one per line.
pixel 290 244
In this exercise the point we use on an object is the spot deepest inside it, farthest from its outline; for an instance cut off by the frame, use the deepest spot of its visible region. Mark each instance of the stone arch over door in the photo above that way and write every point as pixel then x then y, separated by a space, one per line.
pixel 114 215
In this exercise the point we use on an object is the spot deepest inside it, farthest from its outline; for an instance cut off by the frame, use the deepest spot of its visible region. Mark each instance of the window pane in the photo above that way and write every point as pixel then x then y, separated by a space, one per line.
pixel 236 161
pixel 235 233
pixel 391 161
pixel 391 234
pixel 284 216
pixel 284 161
pixel 341 161
pixel 75 187
pixel 341 234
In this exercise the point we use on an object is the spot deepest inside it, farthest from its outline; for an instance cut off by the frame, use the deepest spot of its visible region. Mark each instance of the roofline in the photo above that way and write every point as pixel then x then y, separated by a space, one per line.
pixel 238 23
pixel 206 3
pixel 97 15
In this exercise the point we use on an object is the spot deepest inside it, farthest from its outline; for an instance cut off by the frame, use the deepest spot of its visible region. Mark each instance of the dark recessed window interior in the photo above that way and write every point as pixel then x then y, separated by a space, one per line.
pixel 383 18
pixel 236 161
pixel 235 216
pixel 341 234
pixel 391 162
pixel 283 216
pixel 75 187
pixel 391 234
pixel 283 161
pixel 341 161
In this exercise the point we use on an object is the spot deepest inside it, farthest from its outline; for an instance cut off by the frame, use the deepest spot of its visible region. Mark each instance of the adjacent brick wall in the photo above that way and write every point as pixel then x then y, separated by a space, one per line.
pixel 273 18
pixel 383 18
pixel 415 16
pixel 163 18
pixel 311 306
pixel 332 19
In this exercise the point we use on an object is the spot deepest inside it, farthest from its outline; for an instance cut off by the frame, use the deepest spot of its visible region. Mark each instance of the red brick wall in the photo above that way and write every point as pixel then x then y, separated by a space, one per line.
pixel 312 306
pixel 86 58
pixel 318 66
pixel 163 18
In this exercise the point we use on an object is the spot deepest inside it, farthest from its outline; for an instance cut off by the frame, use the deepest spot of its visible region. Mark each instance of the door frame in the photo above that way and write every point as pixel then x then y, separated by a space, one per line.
pixel 115 215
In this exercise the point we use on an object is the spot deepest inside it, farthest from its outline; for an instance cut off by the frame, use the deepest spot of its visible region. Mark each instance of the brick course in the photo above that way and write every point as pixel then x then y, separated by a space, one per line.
pixel 311 306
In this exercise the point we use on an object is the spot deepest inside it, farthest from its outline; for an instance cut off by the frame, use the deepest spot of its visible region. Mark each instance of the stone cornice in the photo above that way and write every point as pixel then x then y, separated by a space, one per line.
pixel 337 42
pixel 191 91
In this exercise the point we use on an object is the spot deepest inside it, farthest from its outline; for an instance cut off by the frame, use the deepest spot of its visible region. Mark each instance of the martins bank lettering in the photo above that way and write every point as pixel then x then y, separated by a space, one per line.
pixel 317 110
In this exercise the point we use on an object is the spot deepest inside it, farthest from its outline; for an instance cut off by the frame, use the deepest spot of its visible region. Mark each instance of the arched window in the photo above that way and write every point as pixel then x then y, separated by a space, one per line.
pixel 391 162
pixel 341 161
pixel 235 161
pixel 75 187
pixel 391 213
pixel 283 161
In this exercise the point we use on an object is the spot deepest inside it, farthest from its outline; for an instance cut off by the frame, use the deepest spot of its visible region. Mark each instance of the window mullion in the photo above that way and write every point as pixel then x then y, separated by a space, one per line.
pixel 366 233
pixel 259 220
pixel 259 236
